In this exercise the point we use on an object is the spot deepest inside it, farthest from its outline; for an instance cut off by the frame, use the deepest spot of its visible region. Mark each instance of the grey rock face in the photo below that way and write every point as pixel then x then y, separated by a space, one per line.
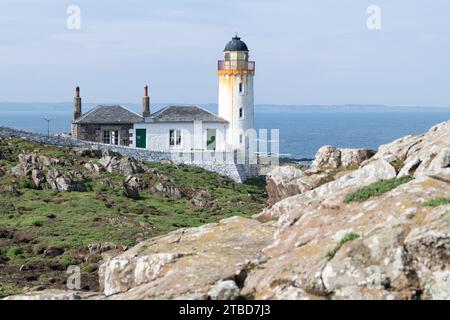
pixel 285 181
pixel 329 157
pixel 166 190
pixel 224 290
pixel 131 188
pixel 43 172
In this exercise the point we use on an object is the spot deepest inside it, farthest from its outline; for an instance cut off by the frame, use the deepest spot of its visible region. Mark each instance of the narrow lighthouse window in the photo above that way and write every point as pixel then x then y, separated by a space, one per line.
pixel 241 113
pixel 240 87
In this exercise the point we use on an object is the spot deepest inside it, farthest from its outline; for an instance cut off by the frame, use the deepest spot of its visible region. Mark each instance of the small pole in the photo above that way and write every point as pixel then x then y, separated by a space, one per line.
pixel 48 125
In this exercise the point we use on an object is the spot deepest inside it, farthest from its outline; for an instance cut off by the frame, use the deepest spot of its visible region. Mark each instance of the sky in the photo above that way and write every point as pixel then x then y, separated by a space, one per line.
pixel 306 52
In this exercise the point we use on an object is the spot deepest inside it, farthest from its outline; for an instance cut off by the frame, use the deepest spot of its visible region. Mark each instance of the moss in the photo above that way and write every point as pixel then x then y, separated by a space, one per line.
pixel 376 189
pixel 436 202
pixel 398 164
pixel 348 237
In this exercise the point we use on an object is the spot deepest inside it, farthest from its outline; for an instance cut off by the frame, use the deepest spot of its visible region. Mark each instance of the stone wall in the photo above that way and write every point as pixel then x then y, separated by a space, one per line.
pixel 224 163
pixel 94 132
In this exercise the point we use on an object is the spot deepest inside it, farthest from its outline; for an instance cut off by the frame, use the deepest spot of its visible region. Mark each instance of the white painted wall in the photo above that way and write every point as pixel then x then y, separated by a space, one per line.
pixel 193 136
pixel 231 100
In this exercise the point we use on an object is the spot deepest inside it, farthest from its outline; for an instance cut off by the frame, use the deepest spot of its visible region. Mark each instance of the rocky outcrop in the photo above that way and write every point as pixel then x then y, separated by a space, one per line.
pixel 131 187
pixel 65 181
pixel 192 263
pixel 44 172
pixel 10 191
pixel 124 166
pixel 98 248
pixel 422 155
pixel 93 167
pixel 285 181
pixel 313 245
pixel 389 247
pixel 329 157
pixel 377 265
pixel 55 294
pixel 350 182
pixel 201 199
pixel 166 190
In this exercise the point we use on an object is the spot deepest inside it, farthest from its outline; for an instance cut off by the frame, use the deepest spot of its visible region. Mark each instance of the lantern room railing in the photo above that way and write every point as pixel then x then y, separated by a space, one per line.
pixel 236 65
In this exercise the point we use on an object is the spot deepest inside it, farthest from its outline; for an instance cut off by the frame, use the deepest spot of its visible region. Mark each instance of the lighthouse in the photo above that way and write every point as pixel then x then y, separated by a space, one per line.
pixel 236 103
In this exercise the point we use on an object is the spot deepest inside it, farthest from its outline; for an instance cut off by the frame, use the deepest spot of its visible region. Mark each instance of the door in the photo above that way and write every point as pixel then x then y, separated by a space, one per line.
pixel 211 139
pixel 141 138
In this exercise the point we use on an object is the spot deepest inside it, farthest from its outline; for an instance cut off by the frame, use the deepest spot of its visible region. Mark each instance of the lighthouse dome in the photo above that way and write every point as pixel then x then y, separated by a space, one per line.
pixel 236 44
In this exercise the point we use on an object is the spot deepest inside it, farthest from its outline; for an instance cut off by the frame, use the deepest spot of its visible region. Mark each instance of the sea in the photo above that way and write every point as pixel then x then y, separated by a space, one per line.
pixel 302 129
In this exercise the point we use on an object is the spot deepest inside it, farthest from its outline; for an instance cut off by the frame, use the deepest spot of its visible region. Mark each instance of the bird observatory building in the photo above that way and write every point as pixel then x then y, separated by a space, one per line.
pixel 183 129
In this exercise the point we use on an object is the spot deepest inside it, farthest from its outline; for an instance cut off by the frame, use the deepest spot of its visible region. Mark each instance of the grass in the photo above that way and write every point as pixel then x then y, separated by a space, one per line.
pixel 376 189
pixel 73 220
pixel 348 237
pixel 436 202
pixel 9 289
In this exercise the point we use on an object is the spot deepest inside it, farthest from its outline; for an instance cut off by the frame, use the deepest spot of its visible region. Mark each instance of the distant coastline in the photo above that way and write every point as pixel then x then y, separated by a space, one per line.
pixel 52 106
pixel 303 129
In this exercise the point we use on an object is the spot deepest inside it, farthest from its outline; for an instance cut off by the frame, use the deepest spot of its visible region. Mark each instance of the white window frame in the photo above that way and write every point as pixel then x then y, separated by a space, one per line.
pixel 177 138
pixel 110 136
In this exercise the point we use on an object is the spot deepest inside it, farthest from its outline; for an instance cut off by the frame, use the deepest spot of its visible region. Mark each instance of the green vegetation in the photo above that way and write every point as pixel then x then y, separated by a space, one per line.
pixel 40 219
pixel 376 189
pixel 436 202
pixel 9 289
pixel 348 237
pixel 398 164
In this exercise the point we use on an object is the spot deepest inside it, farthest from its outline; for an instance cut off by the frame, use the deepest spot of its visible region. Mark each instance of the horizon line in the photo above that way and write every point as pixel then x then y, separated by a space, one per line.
pixel 256 104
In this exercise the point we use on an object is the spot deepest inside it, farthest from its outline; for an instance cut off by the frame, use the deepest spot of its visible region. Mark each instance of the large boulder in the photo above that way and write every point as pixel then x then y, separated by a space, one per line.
pixel 65 181
pixel 428 246
pixel 398 251
pixel 286 181
pixel 131 188
pixel 329 157
pixel 421 155
pixel 196 263
pixel 201 199
pixel 166 190
pixel 86 152
pixel 350 182
pixel 93 167
pixel 124 166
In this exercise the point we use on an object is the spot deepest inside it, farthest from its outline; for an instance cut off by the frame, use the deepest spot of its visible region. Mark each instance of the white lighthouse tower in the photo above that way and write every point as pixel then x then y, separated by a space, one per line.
pixel 236 104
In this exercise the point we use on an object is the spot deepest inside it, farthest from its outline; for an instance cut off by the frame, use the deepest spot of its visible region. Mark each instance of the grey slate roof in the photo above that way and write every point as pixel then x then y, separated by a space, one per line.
pixel 184 113
pixel 114 114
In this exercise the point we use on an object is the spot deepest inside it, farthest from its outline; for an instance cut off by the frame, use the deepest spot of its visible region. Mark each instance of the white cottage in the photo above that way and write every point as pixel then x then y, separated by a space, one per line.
pixel 189 128
pixel 181 128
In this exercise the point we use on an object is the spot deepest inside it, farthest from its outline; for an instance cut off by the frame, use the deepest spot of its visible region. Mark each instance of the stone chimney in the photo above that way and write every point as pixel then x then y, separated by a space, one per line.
pixel 146 103
pixel 77 104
